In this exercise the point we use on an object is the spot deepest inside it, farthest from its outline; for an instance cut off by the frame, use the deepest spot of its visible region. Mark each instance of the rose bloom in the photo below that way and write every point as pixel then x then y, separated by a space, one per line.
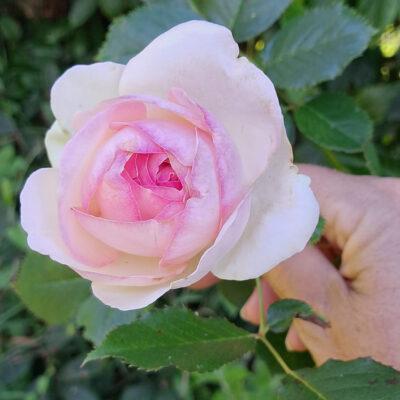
pixel 167 168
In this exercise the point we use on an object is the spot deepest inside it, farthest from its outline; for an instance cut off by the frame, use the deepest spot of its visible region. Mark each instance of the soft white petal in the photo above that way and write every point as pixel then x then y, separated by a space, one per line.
pixel 128 297
pixel 81 88
pixel 202 58
pixel 284 213
pixel 39 214
pixel 54 142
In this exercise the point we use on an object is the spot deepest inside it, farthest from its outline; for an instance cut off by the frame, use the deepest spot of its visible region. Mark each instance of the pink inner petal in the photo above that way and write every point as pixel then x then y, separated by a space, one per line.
pixel 199 221
pixel 142 238
pixel 228 159
pixel 127 140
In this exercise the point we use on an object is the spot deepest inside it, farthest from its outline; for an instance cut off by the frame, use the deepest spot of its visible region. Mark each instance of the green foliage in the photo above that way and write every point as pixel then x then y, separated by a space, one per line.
pixel 245 18
pixel 318 232
pixel 49 290
pixel 236 292
pixel 98 320
pixel 81 11
pixel 236 382
pixel 380 13
pixel 372 159
pixel 131 33
pixel 362 379
pixel 377 99
pixel 281 313
pixel 300 54
pixel 335 122
pixel 176 337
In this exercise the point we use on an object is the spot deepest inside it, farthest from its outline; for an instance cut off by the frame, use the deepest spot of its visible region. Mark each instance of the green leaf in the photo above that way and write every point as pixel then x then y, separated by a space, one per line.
pixel 98 319
pixel 372 159
pixel 289 127
pixel 7 125
pixel 81 11
pixel 245 18
pixel 318 232
pixel 380 13
pixel 334 121
pixel 51 291
pixel 281 313
pixel 294 359
pixel 236 292
pixel 176 337
pixel 315 47
pixel 236 381
pixel 129 34
pixel 112 8
pixel 361 379
pixel 377 99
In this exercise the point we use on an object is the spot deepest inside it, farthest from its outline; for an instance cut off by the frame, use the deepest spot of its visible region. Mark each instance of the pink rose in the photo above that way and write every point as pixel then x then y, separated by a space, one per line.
pixel 168 168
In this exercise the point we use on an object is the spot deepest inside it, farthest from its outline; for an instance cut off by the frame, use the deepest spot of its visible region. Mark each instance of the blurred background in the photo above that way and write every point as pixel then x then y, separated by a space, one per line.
pixel 40 351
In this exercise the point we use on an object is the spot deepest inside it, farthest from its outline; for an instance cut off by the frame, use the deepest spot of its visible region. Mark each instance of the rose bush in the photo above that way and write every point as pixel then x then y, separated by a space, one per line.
pixel 168 168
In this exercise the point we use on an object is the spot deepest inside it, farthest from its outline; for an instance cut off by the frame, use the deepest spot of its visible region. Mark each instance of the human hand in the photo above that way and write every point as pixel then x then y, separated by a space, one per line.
pixel 361 300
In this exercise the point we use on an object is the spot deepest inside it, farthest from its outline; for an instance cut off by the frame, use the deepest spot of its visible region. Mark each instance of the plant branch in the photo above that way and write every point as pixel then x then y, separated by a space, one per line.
pixel 287 369
pixel 263 328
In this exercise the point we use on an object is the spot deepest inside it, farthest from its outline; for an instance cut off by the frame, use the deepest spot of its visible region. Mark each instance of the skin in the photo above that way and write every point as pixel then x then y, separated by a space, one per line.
pixel 361 298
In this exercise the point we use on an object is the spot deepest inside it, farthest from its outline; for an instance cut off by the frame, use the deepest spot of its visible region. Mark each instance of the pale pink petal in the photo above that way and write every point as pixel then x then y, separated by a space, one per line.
pixel 226 240
pixel 170 210
pixel 200 219
pixel 133 271
pixel 76 160
pixel 147 238
pixel 114 198
pixel 177 139
pixel 127 140
pixel 202 59
pixel 228 161
pixel 39 218
pixel 151 201
pixel 81 88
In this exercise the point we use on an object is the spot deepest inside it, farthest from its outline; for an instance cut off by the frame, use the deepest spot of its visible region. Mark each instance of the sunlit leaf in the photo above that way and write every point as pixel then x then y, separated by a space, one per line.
pixel 129 34
pixel 176 337
pixel 281 313
pixel 315 46
pixel 51 291
pixel 335 121
pixel 361 379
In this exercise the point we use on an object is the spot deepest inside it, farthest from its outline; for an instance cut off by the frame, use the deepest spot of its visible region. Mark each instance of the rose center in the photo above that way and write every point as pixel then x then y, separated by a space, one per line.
pixel 149 170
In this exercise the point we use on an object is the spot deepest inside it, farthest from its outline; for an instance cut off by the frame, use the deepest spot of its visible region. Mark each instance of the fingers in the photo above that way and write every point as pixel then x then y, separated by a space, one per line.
pixel 206 282
pixel 308 276
pixel 293 341
pixel 344 200
pixel 251 310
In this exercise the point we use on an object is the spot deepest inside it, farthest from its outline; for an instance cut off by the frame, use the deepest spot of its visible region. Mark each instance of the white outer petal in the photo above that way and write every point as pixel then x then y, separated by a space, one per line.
pixel 284 214
pixel 202 58
pixel 128 297
pixel 55 140
pixel 81 88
